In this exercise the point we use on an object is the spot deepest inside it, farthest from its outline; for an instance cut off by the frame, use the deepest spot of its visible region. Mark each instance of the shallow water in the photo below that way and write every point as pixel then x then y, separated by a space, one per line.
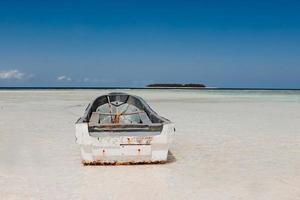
pixel 228 145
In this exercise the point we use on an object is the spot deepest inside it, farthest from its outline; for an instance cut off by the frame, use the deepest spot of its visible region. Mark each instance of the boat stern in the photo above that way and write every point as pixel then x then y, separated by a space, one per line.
pixel 124 147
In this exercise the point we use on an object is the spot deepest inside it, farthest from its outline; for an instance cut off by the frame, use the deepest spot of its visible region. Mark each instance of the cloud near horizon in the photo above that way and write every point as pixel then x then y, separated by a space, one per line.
pixel 63 78
pixel 14 74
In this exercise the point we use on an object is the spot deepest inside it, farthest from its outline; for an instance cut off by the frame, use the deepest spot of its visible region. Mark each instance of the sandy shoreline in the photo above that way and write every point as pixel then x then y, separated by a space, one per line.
pixel 228 145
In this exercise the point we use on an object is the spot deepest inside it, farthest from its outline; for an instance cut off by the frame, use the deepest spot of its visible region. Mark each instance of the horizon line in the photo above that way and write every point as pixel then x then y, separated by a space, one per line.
pixel 143 88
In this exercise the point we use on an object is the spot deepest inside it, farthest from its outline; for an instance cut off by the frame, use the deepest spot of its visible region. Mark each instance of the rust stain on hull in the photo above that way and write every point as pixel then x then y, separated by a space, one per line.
pixel 123 163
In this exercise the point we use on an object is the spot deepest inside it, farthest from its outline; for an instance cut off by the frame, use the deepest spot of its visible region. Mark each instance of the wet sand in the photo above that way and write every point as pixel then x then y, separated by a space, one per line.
pixel 228 145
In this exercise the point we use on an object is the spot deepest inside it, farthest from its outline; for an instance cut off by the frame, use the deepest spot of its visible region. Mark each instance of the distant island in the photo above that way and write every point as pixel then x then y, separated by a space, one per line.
pixel 177 85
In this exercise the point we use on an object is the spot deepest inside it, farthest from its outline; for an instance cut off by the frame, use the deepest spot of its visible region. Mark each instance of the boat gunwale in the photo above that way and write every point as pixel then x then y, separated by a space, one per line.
pixel 146 108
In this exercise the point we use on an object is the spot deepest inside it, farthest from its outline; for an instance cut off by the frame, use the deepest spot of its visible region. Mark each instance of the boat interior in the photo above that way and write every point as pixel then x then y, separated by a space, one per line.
pixel 122 112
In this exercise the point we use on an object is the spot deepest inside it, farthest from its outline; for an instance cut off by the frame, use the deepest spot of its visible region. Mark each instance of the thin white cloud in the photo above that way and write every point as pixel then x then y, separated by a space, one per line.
pixel 86 79
pixel 12 74
pixel 96 80
pixel 63 78
pixel 90 80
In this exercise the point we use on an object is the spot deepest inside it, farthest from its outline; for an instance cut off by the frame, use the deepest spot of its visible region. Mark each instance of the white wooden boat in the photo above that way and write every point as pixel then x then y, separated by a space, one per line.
pixel 119 128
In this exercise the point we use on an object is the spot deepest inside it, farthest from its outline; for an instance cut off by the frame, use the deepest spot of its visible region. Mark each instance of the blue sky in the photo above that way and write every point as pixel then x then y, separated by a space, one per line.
pixel 134 43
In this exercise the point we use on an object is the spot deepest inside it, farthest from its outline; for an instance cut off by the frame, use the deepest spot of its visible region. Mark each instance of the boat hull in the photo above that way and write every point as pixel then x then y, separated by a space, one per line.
pixel 124 147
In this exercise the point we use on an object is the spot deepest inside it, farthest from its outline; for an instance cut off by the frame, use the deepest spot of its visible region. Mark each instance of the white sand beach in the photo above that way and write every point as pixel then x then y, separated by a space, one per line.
pixel 228 145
